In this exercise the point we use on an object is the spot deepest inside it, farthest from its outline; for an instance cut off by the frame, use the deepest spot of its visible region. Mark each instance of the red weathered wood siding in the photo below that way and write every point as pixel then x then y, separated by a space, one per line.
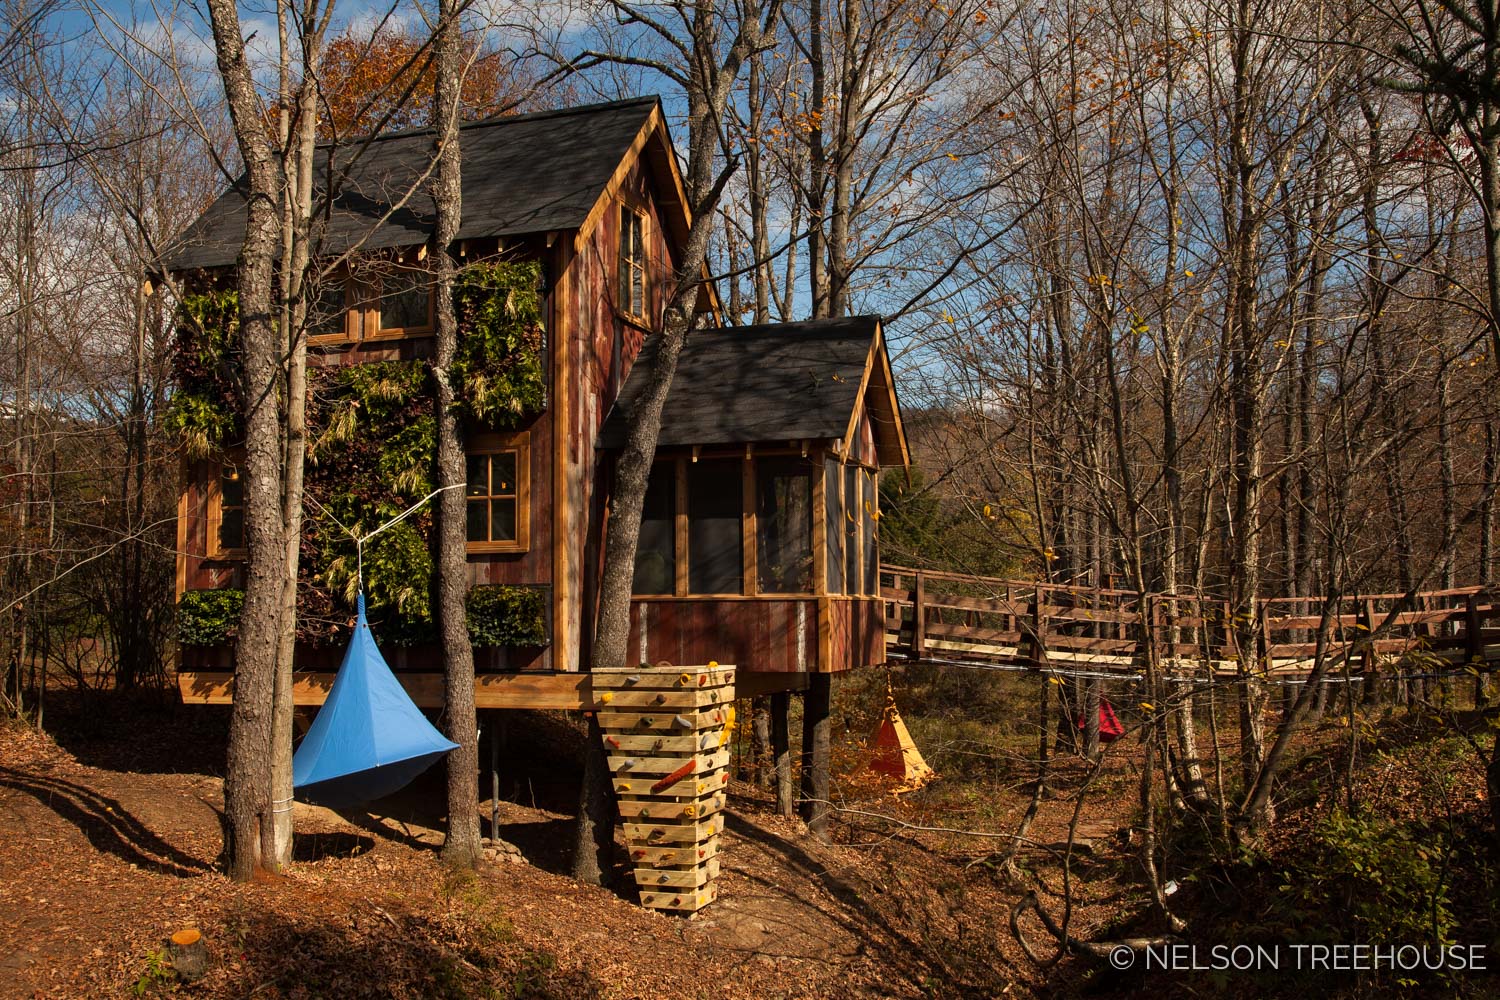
pixel 601 349
pixel 857 632
pixel 768 635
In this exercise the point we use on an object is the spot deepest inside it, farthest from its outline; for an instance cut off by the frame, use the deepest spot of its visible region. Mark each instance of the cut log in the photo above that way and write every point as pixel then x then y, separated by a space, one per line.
pixel 189 954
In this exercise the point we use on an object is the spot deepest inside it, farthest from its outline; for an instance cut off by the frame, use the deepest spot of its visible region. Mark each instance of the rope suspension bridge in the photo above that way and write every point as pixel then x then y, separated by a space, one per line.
pixel 989 623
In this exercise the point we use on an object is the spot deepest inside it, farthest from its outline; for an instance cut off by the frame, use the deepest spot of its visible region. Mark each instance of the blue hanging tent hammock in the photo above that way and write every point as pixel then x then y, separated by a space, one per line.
pixel 369 739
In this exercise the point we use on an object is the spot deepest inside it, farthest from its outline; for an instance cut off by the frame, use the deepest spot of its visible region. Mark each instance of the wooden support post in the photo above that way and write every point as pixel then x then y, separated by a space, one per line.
pixel 781 750
pixel 816 702
pixel 1369 664
pixel 919 616
pixel 1474 649
pixel 497 736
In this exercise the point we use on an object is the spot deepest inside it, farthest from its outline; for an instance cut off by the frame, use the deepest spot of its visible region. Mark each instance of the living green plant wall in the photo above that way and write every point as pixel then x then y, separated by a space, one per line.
pixel 497 615
pixel 501 357
pixel 205 407
pixel 371 452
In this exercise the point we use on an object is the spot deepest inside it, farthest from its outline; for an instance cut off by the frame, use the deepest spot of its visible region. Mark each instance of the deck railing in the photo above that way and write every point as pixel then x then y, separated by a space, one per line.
pixel 935 616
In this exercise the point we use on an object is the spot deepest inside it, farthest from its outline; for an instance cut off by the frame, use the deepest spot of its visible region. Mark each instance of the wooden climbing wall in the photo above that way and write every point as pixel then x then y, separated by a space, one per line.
pixel 663 730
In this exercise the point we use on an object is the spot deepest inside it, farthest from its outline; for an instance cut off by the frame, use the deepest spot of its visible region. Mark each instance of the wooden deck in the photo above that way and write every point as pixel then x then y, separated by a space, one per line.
pixel 935 617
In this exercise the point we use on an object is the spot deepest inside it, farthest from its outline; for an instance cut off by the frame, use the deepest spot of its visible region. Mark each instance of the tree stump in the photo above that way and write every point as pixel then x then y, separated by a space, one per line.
pixel 189 954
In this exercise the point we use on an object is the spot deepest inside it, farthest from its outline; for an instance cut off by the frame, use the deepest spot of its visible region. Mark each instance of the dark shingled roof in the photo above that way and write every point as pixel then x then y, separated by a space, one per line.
pixel 778 382
pixel 522 174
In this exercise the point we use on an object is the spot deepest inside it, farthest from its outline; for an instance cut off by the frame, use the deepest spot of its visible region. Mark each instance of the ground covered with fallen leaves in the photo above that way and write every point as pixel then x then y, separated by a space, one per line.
pixel 111 816
pixel 112 833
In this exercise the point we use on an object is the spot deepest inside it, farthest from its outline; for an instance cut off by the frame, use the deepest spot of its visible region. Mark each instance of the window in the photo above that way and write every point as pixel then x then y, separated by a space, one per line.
pixel 499 498
pixel 405 305
pixel 328 312
pixel 783 526
pixel 226 520
pixel 833 524
pixel 867 539
pixel 656 550
pixel 715 511
pixel 632 300
pixel 851 529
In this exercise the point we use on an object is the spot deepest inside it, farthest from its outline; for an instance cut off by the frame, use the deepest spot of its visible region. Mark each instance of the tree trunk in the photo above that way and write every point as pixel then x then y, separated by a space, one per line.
pixel 247 780
pixel 815 752
pixel 297 159
pixel 462 846
pixel 709 84
pixel 781 750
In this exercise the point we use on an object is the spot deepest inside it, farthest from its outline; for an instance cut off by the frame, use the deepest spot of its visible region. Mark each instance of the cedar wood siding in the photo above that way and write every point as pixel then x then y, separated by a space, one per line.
pixel 602 349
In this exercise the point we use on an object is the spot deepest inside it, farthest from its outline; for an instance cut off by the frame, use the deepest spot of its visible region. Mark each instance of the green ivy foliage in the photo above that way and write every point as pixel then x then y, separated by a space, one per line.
pixel 497 616
pixel 209 617
pixel 507 616
pixel 371 458
pixel 500 365
pixel 205 405
pixel 372 443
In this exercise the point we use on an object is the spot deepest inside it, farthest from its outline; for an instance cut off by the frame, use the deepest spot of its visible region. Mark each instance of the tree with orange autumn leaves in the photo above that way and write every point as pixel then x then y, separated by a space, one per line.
pixel 385 82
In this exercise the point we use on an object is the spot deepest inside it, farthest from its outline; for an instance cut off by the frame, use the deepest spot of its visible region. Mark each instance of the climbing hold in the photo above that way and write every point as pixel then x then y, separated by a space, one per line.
pixel 607 697
pixel 682 722
pixel 627 763
pixel 660 699
pixel 684 678
pixel 633 679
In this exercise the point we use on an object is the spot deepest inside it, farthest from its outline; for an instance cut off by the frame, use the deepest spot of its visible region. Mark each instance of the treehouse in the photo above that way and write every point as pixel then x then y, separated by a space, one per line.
pixel 759 540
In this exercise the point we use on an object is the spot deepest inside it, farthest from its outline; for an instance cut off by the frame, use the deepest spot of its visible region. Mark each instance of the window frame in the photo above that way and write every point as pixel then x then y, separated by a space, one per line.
pixel 374 312
pixel 624 299
pixel 497 444
pixel 214 515
pixel 353 315
pixel 677 466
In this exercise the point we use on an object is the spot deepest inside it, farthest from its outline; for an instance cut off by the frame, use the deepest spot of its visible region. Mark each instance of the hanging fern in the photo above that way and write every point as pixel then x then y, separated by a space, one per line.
pixel 500 364
pixel 205 405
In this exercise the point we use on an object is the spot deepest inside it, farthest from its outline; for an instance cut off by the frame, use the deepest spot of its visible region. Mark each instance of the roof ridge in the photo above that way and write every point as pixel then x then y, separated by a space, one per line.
pixel 501 119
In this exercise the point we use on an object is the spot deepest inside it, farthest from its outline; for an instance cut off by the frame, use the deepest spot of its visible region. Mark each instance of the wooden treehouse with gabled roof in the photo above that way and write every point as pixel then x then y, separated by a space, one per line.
pixel 759 543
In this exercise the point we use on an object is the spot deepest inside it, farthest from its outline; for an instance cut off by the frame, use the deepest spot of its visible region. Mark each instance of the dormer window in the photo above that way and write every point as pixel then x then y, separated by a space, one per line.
pixel 328 312
pixel 632 294
pixel 405 305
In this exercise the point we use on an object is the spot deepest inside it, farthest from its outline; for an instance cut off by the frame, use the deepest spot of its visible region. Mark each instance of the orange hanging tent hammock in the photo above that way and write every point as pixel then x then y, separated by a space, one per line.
pixel 893 752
